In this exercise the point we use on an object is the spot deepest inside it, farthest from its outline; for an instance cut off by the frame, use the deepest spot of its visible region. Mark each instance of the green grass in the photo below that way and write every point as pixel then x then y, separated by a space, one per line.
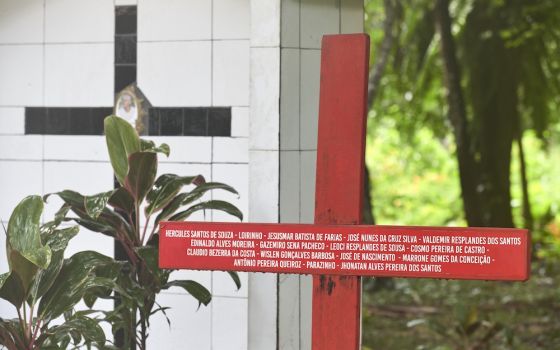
pixel 446 314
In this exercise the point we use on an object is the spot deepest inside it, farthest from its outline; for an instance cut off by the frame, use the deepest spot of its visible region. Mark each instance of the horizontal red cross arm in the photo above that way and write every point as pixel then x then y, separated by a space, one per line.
pixel 351 250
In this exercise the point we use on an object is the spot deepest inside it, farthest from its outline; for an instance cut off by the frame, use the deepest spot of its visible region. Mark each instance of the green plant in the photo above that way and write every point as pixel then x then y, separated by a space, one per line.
pixel 119 213
pixel 43 286
pixel 468 331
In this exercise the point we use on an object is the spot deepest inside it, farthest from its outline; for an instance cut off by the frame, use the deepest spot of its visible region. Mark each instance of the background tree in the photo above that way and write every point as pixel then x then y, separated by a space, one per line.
pixel 481 71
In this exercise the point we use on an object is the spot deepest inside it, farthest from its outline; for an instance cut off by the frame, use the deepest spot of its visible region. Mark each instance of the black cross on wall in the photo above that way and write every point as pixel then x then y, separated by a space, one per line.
pixel 163 121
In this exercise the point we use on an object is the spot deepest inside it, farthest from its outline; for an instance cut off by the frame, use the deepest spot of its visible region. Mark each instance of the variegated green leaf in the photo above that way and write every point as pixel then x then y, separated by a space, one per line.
pixel 95 204
pixel 122 140
pixel 208 205
pixel 141 174
pixel 150 146
pixel 26 252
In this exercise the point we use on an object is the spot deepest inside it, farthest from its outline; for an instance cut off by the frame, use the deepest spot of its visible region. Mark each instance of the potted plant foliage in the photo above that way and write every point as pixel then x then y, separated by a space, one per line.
pixel 131 214
pixel 44 287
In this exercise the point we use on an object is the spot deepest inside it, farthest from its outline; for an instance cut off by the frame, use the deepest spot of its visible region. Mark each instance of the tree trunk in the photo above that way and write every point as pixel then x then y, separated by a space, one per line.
pixel 528 219
pixel 384 51
pixel 493 91
pixel 373 86
pixel 468 167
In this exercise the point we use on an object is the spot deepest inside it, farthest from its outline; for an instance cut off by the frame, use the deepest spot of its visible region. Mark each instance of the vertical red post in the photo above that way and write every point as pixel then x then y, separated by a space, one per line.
pixel 339 186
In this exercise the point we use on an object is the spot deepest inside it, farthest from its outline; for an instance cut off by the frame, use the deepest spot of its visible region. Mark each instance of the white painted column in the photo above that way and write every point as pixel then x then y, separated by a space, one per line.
pixel 303 24
pixel 264 160
pixel 285 74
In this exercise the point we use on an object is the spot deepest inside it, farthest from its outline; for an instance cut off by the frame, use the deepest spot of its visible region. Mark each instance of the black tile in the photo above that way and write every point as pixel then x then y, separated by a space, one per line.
pixel 125 49
pixel 58 121
pixel 98 115
pixel 153 122
pixel 80 121
pixel 125 20
pixel 35 120
pixel 219 121
pixel 171 121
pixel 124 76
pixel 195 122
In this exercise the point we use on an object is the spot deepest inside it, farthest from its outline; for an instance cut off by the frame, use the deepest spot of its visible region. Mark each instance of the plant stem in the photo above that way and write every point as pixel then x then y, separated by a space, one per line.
pixel 154 230
pixel 35 332
pixel 27 330
pixel 21 321
pixel 31 316
pixel 143 332
pixel 145 229
pixel 137 219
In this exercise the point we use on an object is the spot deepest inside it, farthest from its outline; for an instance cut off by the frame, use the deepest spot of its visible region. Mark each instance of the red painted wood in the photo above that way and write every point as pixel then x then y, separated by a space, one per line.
pixel 349 250
pixel 339 181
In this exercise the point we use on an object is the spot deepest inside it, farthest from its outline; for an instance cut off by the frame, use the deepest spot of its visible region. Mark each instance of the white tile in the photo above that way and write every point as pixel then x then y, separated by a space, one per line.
pixel 185 169
pixel 306 299
pixel 17 180
pixel 21 21
pixel 12 120
pixel 85 178
pixel 290 23
pixel 174 20
pixel 288 312
pixel 307 181
pixel 202 277
pixel 79 75
pixel 89 240
pixel 21 69
pixel 3 257
pixel 240 121
pixel 310 85
pixel 229 333
pixel 175 73
pixel 263 186
pixel 318 17
pixel 232 19
pixel 265 95
pixel 265 23
pixel 289 186
pixel 230 150
pixel 230 73
pixel 237 176
pixel 289 99
pixel 263 310
pixel 190 326
pixel 7 310
pixel 81 148
pixel 125 2
pixel 79 21
pixel 28 147
pixel 223 285
pixel 188 149
pixel 352 16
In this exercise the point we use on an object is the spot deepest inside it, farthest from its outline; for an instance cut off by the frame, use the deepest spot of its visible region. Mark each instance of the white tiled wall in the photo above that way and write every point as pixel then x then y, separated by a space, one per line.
pixel 304 22
pixel 21 69
pixel 12 120
pixel 60 53
pixel 230 78
pixel 79 74
pixel 176 73
pixel 174 20
pixel 259 56
pixel 79 21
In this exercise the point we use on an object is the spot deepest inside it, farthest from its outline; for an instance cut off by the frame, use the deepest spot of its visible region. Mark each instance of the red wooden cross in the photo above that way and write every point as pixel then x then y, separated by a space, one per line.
pixel 337 249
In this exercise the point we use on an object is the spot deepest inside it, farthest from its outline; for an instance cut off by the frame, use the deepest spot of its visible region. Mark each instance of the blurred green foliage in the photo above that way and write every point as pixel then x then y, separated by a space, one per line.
pixel 412 158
